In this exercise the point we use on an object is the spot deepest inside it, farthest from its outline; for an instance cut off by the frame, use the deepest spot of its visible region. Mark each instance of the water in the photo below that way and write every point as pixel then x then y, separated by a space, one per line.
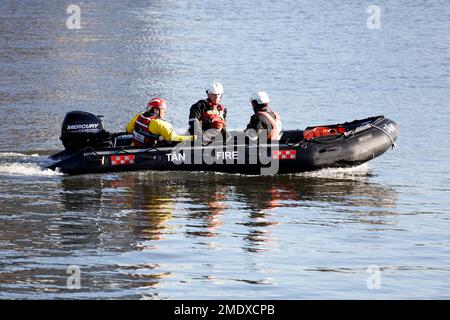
pixel 172 235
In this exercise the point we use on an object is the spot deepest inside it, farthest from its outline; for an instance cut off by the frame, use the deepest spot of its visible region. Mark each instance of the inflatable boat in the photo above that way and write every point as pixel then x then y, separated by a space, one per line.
pixel 91 149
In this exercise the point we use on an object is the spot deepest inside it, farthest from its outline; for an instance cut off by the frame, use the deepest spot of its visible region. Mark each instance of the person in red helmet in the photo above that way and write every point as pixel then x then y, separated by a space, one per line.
pixel 209 113
pixel 149 128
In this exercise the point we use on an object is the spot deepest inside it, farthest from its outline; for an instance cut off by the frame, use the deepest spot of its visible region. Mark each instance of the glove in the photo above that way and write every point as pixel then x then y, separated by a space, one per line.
pixel 218 123
pixel 206 140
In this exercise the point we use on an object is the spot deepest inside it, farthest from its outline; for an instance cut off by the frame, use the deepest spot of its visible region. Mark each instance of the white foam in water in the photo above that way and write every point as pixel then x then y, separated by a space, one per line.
pixel 338 173
pixel 26 169
pixel 15 154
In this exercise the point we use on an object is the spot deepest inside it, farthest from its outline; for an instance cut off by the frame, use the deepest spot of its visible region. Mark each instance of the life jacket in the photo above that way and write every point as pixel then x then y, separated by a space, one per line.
pixel 275 122
pixel 315 132
pixel 141 133
pixel 214 110
pixel 216 121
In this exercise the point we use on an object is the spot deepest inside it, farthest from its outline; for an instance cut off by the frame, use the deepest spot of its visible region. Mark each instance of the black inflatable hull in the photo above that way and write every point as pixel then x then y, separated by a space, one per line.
pixel 365 140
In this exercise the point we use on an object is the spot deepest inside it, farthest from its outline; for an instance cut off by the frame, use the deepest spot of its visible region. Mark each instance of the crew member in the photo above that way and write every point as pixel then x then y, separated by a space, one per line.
pixel 264 118
pixel 209 113
pixel 149 128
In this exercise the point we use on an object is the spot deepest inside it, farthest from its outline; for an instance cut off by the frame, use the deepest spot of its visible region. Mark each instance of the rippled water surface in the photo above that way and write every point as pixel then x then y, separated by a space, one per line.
pixel 378 231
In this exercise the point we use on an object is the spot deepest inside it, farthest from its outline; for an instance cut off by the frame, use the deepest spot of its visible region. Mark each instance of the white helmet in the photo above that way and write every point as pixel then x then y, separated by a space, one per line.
pixel 260 97
pixel 215 88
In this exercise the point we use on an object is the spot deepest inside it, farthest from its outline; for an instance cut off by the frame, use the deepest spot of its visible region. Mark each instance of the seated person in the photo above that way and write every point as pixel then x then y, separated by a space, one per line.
pixel 208 113
pixel 264 118
pixel 149 128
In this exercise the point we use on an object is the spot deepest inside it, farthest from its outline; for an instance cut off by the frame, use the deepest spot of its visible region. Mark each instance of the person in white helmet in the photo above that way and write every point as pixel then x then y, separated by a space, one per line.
pixel 209 113
pixel 263 118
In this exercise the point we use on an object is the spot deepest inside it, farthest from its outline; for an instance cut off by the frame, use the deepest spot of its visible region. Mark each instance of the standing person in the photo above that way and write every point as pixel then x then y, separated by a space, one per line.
pixel 264 118
pixel 209 113
pixel 149 128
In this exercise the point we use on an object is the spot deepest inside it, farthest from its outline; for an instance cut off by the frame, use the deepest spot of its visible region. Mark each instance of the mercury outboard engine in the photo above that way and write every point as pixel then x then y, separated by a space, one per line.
pixel 82 129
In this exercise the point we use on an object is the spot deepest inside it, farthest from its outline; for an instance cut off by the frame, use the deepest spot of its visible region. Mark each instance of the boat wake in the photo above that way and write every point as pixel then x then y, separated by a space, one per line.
pixel 13 163
pixel 339 173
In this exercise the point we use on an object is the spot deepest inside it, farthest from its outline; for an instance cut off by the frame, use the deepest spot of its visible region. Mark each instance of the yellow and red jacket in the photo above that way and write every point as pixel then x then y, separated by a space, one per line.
pixel 148 129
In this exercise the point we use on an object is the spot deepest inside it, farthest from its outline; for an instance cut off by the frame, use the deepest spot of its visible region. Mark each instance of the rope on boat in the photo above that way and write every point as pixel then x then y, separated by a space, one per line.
pixel 394 145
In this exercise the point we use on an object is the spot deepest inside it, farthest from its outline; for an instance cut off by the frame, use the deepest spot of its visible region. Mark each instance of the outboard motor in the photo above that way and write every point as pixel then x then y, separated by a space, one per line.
pixel 82 129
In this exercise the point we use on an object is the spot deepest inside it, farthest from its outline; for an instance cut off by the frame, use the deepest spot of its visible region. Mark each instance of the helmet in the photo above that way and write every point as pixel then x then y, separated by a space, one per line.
pixel 158 103
pixel 260 97
pixel 215 88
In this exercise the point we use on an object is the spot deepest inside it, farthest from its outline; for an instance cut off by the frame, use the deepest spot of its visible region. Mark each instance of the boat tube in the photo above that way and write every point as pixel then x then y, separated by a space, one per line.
pixel 91 149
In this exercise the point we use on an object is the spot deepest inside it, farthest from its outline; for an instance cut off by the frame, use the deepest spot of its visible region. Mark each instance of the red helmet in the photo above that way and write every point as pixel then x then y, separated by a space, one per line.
pixel 158 103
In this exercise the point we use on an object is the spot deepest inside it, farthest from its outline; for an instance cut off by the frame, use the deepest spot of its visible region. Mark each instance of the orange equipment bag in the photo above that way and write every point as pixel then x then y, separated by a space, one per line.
pixel 315 132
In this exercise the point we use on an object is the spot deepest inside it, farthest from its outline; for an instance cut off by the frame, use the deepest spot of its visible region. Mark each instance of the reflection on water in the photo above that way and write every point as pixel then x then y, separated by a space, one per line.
pixel 147 202
pixel 130 232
